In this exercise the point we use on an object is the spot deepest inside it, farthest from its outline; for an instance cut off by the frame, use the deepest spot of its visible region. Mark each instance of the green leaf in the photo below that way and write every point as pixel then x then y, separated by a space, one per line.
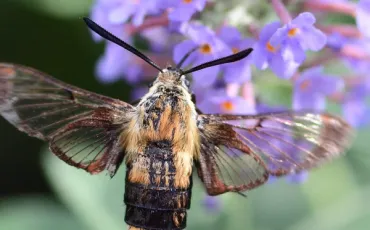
pixel 35 213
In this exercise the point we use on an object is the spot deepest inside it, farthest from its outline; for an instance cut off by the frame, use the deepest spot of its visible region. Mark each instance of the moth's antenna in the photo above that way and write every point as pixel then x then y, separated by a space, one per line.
pixel 110 37
pixel 183 59
pixel 227 59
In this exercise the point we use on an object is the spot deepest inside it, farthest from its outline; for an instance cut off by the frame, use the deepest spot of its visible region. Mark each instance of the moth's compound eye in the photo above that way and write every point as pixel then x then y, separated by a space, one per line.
pixel 150 84
pixel 187 83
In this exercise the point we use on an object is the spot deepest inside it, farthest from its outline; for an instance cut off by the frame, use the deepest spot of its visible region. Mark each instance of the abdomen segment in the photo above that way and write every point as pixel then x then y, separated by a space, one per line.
pixel 151 197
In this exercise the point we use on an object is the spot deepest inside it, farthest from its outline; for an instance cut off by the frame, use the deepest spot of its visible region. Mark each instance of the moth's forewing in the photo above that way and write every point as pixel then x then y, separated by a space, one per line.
pixel 249 148
pixel 82 127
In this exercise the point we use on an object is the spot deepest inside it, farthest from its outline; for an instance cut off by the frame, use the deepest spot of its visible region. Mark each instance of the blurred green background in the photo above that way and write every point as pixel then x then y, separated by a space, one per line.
pixel 39 192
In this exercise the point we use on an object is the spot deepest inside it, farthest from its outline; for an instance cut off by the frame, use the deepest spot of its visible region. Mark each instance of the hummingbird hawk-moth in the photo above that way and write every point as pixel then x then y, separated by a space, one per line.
pixel 162 137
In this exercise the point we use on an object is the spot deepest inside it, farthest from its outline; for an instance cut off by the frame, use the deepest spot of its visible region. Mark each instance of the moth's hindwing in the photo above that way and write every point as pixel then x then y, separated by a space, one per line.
pixel 82 127
pixel 239 152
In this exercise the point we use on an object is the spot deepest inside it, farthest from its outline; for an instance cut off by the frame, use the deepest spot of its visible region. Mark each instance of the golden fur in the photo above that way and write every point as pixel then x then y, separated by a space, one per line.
pixel 176 124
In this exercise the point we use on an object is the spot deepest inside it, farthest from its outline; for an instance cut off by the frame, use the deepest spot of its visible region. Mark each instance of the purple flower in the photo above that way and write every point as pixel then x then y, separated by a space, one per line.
pixel 311 88
pixel 217 101
pixel 212 203
pixel 117 63
pixel 363 17
pixel 182 10
pixel 298 178
pixel 99 14
pixel 238 72
pixel 336 41
pixel 123 10
pixel 265 55
pixel 210 48
pixel 299 35
pixel 159 38
pixel 355 110
pixel 358 65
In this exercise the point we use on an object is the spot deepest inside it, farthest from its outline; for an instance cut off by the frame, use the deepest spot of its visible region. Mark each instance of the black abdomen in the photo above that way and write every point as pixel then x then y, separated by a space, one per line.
pixel 157 205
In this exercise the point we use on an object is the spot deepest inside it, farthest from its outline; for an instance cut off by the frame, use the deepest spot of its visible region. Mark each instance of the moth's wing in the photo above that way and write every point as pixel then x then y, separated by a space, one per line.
pixel 239 152
pixel 82 127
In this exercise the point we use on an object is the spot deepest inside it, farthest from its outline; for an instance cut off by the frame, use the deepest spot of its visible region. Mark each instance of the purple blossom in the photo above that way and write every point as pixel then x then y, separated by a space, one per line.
pixel 358 65
pixel 298 178
pixel 299 35
pixel 122 10
pixel 265 55
pixel 99 14
pixel 217 101
pixel 238 72
pixel 363 17
pixel 181 11
pixel 159 38
pixel 336 41
pixel 210 48
pixel 116 62
pixel 212 203
pixel 355 110
pixel 312 87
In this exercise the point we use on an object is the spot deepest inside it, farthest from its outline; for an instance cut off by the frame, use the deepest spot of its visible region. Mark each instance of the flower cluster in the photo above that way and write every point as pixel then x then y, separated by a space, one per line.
pixel 299 47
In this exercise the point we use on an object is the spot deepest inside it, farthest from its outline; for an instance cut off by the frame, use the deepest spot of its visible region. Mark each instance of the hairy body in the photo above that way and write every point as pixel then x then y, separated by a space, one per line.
pixel 161 143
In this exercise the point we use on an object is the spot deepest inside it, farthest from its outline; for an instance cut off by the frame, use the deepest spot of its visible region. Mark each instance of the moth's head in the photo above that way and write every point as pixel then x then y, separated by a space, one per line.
pixel 172 76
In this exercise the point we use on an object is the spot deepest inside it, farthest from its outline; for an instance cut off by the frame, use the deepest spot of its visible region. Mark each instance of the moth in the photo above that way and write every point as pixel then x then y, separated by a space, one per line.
pixel 163 136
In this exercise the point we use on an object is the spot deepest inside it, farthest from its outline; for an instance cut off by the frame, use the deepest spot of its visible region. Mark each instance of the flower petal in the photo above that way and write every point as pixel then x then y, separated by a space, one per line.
pixel 293 51
pixel 299 177
pixel 313 39
pixel 363 17
pixel 279 36
pixel 206 77
pixel 268 30
pixel 283 68
pixel 199 4
pixel 121 14
pixel 230 35
pixel 238 73
pixel 108 68
pixel 181 49
pixel 304 19
pixel 308 101
pixel 182 13
pixel 259 57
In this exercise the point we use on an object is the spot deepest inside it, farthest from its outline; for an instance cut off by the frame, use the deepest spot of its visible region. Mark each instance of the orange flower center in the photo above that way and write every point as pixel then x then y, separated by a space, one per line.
pixel 205 49
pixel 293 32
pixel 304 85
pixel 187 1
pixel 270 48
pixel 227 106
pixel 235 50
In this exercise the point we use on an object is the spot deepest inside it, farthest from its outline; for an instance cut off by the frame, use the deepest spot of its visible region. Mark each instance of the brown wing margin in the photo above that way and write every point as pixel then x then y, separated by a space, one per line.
pixel 283 143
pixel 82 127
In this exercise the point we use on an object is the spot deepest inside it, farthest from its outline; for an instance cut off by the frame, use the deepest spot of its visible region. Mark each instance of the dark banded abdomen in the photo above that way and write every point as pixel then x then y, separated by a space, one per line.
pixel 157 204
